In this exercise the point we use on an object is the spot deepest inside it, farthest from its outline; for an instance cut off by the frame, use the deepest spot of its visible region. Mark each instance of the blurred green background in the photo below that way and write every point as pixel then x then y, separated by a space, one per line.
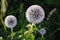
pixel 18 9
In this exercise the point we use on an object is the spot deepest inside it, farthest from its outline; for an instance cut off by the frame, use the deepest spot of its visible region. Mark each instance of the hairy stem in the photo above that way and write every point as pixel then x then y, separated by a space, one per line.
pixel 11 33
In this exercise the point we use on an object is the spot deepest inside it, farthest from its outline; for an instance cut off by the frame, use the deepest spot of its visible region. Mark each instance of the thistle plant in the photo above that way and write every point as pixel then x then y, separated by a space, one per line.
pixel 42 32
pixel 35 14
pixel 2 12
pixel 10 22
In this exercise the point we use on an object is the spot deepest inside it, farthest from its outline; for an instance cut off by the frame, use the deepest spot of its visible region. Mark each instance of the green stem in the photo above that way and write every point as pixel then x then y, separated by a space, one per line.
pixel 35 27
pixel 11 33
pixel 42 37
pixel 3 25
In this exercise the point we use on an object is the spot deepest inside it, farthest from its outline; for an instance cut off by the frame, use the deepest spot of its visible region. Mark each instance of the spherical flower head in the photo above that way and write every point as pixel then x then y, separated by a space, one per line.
pixel 35 14
pixel 10 21
pixel 42 31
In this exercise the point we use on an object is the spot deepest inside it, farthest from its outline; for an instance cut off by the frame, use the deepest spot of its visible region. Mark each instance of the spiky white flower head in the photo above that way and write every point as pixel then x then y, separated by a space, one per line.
pixel 42 31
pixel 10 21
pixel 35 14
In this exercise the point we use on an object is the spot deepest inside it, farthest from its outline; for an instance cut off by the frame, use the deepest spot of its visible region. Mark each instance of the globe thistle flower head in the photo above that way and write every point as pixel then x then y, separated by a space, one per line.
pixel 42 31
pixel 35 14
pixel 10 21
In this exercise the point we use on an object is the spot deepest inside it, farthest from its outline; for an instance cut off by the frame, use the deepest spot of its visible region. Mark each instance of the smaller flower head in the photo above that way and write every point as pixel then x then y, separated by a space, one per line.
pixel 35 14
pixel 10 21
pixel 42 31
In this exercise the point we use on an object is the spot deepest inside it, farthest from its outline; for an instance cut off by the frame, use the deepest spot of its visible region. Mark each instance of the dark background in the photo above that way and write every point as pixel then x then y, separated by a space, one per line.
pixel 18 9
